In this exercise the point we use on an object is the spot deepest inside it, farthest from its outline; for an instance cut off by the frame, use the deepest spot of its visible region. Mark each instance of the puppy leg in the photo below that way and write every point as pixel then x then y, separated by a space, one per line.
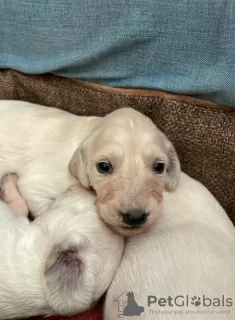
pixel 10 194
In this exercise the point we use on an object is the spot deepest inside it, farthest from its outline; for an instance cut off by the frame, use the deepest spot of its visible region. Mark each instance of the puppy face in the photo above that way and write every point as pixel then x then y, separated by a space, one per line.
pixel 129 163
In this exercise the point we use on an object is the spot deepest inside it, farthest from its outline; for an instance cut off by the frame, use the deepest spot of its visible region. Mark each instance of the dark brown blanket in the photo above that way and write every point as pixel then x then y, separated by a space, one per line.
pixel 202 132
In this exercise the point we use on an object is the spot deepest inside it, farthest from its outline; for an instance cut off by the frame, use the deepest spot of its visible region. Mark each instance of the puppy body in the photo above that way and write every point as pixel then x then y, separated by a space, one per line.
pixel 49 149
pixel 190 251
pixel 37 144
pixel 61 263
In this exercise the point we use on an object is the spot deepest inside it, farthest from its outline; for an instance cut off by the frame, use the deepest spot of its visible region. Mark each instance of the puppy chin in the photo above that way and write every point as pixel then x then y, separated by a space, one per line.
pixel 130 231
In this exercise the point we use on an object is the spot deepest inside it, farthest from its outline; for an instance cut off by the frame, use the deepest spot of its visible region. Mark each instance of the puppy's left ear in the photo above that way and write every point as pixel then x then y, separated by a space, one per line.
pixel 173 169
pixel 78 165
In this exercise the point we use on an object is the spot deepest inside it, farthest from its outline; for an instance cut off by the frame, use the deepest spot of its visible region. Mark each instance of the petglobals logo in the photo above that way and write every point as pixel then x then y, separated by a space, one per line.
pixel 189 301
pixel 130 304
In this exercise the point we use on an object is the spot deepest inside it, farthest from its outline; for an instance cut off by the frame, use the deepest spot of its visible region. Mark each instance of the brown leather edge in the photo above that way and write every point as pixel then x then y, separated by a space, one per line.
pixel 152 93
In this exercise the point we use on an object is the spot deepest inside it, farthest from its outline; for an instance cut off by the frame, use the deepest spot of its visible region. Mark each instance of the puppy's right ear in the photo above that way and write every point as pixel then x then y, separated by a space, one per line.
pixel 70 276
pixel 78 165
pixel 173 169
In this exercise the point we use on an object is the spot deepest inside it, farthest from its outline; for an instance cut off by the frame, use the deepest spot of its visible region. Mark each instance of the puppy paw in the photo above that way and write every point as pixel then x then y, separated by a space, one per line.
pixel 10 194
pixel 4 187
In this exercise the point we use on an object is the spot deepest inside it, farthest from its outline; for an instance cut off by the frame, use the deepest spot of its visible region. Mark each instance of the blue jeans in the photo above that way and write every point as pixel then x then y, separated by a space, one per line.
pixel 181 46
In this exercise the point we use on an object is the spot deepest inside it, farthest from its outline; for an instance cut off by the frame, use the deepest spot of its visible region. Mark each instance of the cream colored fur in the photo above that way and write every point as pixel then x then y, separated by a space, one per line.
pixel 190 251
pixel 61 263
pixel 39 144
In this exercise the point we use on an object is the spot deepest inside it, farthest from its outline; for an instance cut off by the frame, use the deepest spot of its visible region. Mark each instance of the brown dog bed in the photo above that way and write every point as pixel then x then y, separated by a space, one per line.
pixel 202 132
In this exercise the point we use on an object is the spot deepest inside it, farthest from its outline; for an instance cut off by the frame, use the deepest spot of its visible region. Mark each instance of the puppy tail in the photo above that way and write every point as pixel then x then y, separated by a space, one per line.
pixel 70 274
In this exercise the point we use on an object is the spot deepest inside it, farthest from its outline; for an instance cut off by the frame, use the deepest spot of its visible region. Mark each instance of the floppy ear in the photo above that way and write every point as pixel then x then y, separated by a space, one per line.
pixel 173 169
pixel 78 165
pixel 70 276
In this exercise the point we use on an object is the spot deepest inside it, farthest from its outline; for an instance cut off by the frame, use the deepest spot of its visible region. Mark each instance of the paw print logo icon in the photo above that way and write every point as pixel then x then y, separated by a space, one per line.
pixel 196 301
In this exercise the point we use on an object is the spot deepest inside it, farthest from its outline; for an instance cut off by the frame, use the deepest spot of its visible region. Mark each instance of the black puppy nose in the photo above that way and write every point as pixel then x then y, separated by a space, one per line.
pixel 135 217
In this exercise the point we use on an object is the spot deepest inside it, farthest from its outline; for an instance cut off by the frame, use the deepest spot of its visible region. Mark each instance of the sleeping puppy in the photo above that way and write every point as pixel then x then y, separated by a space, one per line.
pixel 123 157
pixel 61 263
pixel 183 268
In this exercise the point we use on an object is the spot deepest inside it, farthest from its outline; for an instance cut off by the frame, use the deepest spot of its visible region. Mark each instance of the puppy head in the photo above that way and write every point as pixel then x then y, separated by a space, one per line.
pixel 70 276
pixel 129 162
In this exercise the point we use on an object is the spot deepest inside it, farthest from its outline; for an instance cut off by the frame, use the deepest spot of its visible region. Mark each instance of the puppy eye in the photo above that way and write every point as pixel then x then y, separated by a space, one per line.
pixel 158 167
pixel 104 167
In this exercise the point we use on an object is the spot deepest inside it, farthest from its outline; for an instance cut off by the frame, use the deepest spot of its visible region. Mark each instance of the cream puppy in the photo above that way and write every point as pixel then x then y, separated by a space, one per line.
pixel 123 157
pixel 183 268
pixel 61 263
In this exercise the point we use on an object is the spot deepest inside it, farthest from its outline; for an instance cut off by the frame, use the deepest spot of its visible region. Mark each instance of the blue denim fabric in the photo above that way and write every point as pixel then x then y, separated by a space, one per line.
pixel 182 46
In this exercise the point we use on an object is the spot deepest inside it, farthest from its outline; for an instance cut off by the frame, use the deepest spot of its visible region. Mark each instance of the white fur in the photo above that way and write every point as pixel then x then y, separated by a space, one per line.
pixel 50 149
pixel 190 251
pixel 34 278
pixel 37 144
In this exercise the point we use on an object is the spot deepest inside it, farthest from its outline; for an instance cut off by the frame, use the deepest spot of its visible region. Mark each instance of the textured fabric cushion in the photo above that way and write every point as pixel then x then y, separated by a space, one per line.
pixel 184 46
